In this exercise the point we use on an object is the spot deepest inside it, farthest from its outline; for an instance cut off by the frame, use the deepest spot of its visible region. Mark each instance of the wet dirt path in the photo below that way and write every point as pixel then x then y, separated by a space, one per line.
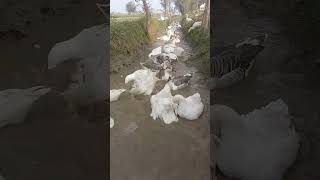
pixel 270 79
pixel 142 148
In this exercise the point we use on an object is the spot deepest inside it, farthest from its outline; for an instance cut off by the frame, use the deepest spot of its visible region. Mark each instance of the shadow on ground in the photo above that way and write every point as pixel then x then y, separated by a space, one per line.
pixel 52 143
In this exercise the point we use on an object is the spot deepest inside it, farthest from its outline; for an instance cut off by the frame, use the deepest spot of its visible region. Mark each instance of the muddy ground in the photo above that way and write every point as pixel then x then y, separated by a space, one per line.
pixel 280 72
pixel 52 143
pixel 142 148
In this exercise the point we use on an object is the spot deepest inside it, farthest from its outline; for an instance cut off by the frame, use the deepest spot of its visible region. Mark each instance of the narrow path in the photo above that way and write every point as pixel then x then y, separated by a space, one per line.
pixel 270 80
pixel 142 148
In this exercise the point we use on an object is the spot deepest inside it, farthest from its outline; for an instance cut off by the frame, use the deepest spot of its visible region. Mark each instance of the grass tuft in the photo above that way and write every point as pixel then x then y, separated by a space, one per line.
pixel 128 36
pixel 200 41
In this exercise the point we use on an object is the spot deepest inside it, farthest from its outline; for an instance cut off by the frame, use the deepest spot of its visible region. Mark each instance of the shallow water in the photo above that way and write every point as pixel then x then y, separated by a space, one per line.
pixel 142 148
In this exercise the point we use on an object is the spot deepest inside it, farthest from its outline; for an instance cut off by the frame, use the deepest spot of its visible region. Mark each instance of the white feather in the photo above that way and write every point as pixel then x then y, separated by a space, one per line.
pixel 195 25
pixel 90 45
pixel 169 48
pixel 263 139
pixel 203 6
pixel 189 108
pixel 144 81
pixel 164 38
pixel 111 122
pixel 92 83
pixel 155 52
pixel 170 56
pixel 16 103
pixel 115 94
pixel 163 106
pixel 89 42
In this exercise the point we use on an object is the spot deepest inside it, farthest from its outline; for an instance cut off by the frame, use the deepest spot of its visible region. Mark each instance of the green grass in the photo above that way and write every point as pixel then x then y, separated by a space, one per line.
pixel 157 26
pixel 122 15
pixel 200 43
pixel 128 36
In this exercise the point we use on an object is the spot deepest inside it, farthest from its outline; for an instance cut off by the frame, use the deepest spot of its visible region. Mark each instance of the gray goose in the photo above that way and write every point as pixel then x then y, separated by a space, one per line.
pixel 232 63
pixel 180 82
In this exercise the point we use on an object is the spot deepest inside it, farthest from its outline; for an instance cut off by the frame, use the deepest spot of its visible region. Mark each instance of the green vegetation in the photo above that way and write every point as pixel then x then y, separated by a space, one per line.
pixel 128 36
pixel 200 42
pixel 122 15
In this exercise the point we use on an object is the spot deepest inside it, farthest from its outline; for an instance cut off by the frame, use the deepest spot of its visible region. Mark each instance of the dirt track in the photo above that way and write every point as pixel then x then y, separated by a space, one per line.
pixel 142 148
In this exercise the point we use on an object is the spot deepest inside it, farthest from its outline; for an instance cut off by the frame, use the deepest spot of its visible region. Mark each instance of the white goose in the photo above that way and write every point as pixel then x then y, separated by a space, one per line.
pixel 89 42
pixel 90 85
pixel 202 7
pixel 16 103
pixel 164 38
pixel 189 108
pixel 115 94
pixel 156 52
pixel 90 47
pixel 168 48
pixel 144 81
pixel 264 139
pixel 169 56
pixel 195 25
pixel 163 106
pixel 111 122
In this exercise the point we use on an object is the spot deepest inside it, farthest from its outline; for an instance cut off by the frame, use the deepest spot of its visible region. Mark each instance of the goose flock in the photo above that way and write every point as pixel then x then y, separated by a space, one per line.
pixel 160 67
pixel 264 138
pixel 83 57
pixel 87 83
